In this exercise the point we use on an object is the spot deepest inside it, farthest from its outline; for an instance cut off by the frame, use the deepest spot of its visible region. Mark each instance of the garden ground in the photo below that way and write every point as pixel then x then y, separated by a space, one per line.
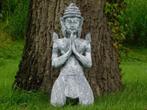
pixel 133 96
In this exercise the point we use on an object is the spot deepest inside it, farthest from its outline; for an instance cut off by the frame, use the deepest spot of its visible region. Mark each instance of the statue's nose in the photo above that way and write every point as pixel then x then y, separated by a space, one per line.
pixel 72 27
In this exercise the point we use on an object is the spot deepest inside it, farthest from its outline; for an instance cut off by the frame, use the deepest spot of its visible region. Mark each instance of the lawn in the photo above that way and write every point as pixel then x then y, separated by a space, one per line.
pixel 133 96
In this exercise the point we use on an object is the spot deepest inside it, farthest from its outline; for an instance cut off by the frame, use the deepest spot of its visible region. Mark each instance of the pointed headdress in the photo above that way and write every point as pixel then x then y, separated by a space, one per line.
pixel 72 10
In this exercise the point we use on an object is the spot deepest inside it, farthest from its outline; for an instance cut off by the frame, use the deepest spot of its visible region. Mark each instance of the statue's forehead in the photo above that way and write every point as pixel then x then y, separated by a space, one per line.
pixel 72 17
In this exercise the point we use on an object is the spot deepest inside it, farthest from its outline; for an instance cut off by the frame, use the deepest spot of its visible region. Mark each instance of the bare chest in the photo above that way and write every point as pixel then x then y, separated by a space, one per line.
pixel 64 45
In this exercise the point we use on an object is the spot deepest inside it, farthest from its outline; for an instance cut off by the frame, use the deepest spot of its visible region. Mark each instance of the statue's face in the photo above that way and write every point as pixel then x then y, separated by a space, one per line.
pixel 72 23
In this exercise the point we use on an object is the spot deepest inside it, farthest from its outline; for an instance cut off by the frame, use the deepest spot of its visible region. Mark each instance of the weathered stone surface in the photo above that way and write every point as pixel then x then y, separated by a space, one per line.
pixel 72 55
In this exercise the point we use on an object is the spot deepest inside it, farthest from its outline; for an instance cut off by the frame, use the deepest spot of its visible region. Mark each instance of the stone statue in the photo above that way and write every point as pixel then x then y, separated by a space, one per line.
pixel 72 55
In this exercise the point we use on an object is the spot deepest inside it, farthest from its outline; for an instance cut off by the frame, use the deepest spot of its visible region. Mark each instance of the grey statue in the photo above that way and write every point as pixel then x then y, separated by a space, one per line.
pixel 72 54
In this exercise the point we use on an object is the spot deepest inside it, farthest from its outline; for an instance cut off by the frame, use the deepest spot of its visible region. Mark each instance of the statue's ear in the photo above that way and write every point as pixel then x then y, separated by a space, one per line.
pixel 55 36
pixel 62 21
pixel 88 37
pixel 62 25
pixel 82 19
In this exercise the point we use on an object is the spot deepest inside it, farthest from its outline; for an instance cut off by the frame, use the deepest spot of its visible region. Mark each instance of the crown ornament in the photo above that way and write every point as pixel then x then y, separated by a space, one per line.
pixel 72 11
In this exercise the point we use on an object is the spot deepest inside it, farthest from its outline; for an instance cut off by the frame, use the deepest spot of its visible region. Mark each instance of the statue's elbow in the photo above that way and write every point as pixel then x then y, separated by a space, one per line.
pixel 88 65
pixel 54 64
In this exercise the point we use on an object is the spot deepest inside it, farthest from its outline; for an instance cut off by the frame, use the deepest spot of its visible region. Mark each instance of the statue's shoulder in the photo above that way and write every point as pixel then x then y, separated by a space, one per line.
pixel 59 41
pixel 87 39
pixel 81 40
pixel 84 41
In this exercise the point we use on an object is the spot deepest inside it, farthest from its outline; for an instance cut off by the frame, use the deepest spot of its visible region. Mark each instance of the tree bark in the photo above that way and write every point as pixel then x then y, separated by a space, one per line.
pixel 35 70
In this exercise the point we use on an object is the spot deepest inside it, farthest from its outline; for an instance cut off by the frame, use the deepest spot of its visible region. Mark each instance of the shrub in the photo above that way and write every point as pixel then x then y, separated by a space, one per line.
pixel 134 22
pixel 15 17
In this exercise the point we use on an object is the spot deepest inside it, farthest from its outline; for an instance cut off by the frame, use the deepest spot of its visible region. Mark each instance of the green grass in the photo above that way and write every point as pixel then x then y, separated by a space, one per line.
pixel 132 97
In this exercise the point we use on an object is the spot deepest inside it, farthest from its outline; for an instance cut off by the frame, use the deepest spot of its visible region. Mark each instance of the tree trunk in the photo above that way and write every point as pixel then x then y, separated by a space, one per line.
pixel 35 70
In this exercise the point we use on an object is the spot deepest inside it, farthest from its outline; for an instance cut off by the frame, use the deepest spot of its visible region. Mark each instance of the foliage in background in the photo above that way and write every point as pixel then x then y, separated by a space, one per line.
pixel 134 22
pixel 14 17
pixel 129 24
pixel 114 12
pixel 134 63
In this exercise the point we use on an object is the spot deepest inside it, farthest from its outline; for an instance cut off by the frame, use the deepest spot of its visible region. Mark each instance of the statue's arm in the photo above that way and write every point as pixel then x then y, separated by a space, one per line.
pixel 86 58
pixel 58 61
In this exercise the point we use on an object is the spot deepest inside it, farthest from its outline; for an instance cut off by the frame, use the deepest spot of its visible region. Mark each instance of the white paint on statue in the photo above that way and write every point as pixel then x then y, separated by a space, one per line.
pixel 72 55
